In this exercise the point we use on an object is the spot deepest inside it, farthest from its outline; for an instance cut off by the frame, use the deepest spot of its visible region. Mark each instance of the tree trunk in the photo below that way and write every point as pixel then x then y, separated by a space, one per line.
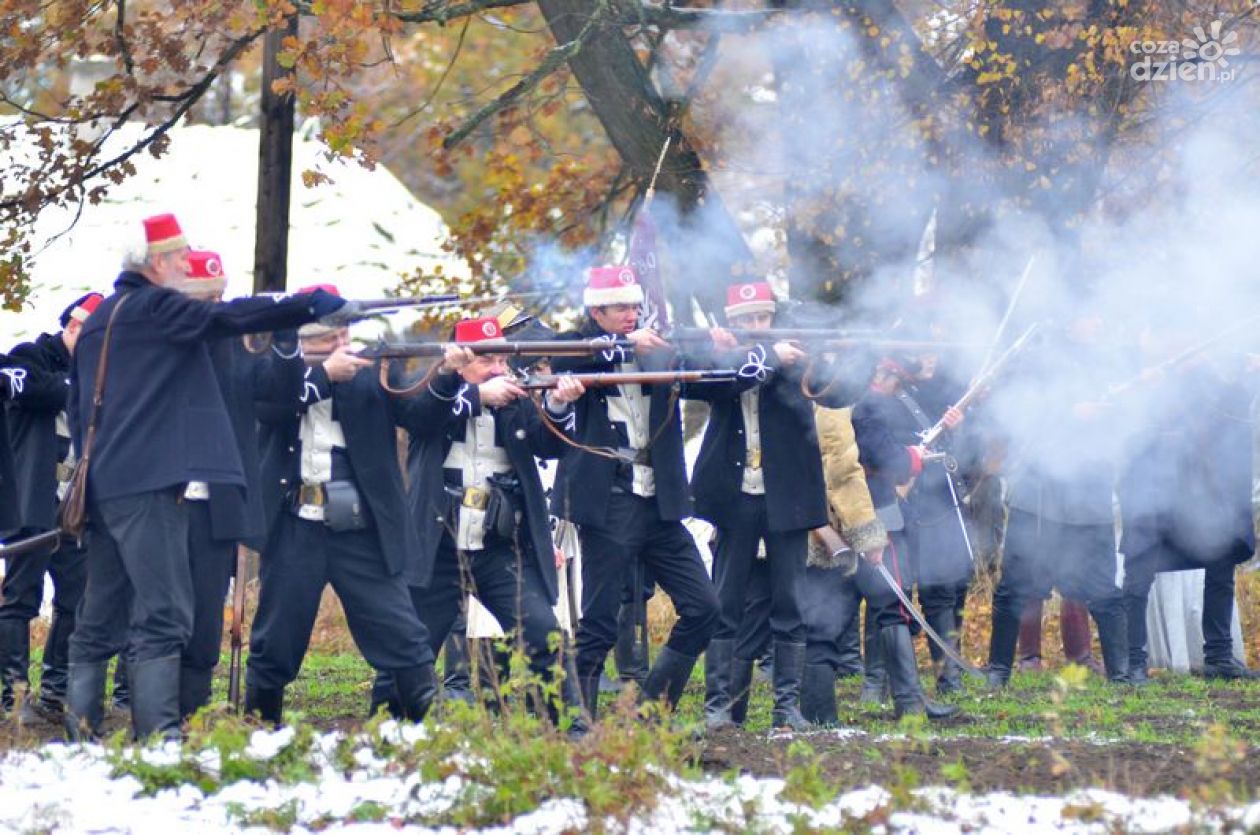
pixel 275 171
pixel 637 121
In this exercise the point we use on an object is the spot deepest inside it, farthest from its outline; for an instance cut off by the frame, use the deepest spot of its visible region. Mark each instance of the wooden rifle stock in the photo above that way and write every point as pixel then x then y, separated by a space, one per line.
pixel 613 378
pixel 237 629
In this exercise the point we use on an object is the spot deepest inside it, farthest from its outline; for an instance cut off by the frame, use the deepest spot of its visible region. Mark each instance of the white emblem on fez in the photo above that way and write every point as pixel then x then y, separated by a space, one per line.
pixel 214 267
pixel 626 276
pixel 488 328
pixel 748 292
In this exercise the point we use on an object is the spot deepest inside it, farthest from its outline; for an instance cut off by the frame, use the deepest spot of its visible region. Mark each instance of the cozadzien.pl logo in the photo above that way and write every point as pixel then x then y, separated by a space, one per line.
pixel 1205 57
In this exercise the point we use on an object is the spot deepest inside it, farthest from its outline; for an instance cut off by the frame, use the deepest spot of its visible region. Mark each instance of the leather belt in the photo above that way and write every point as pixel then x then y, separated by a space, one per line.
pixel 752 458
pixel 634 456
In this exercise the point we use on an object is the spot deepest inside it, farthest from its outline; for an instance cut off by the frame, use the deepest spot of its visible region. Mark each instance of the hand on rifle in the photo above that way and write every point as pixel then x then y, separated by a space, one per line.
pixel 875 556
pixel 646 340
pixel 722 338
pixel 788 353
pixel 342 365
pixel 953 417
pixel 455 358
pixel 499 391
pixel 567 390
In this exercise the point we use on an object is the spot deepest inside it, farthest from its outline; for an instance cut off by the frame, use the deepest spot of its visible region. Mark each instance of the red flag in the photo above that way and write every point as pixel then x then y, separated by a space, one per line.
pixel 642 259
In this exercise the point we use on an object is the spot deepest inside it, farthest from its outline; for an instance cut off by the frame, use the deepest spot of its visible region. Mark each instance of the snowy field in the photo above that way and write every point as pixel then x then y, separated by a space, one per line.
pixel 334 782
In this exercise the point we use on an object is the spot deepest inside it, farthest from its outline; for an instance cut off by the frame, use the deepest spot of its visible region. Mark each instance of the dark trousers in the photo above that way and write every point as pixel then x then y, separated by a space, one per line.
pixel 301 558
pixel 882 606
pixel 506 581
pixel 1040 554
pixel 1218 599
pixel 211 565
pixel 23 591
pixel 829 603
pixel 139 587
pixel 781 572
pixel 635 530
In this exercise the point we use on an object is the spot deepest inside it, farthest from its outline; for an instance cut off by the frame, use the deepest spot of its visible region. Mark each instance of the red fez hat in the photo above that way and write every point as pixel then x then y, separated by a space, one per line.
pixel 205 275
pixel 753 297
pixel 311 329
pixel 327 288
pixel 82 308
pixel 162 233
pixel 611 285
pixel 478 330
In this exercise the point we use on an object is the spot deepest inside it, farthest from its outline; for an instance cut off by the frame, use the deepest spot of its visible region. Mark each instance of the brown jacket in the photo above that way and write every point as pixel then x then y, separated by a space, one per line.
pixel 848 500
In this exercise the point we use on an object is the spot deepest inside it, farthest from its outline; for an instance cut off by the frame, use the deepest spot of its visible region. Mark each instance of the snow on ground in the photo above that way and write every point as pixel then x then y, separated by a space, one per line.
pixel 63 788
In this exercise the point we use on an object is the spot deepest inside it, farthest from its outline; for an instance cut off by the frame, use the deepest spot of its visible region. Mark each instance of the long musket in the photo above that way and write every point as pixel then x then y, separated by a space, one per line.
pixel 1172 362
pixel 538 382
pixel 237 633
pixel 828 337
pixel 931 436
pixel 1006 317
pixel 523 348
pixel 49 540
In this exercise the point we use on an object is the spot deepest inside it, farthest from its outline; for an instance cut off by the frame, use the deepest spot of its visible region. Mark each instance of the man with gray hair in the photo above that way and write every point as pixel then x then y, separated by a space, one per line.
pixel 158 424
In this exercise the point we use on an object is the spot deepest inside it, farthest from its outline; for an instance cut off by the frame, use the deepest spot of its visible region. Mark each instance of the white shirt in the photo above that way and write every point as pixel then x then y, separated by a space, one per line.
pixel 477 457
pixel 754 483
pixel 633 410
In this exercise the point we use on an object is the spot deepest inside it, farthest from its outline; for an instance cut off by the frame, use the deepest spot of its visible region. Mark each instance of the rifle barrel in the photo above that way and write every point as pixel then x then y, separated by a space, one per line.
pixel 523 348
pixel 31 543
pixel 609 378
pixel 828 337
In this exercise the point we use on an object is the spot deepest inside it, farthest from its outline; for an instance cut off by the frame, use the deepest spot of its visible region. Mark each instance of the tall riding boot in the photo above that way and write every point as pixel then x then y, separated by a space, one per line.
pixel 717 683
pixel 903 675
pixel 52 681
pixel 416 688
pixel 849 647
pixel 949 674
pixel 1074 628
pixel 1113 637
pixel 155 697
pixel 588 689
pixel 266 703
pixel 789 665
pixel 85 700
pixel 818 695
pixel 628 653
pixel 1030 635
pixel 875 677
pixel 456 668
pixel 1002 645
pixel 740 689
pixel 15 662
pixel 668 677
pixel 1135 625
pixel 194 690
pixel 121 699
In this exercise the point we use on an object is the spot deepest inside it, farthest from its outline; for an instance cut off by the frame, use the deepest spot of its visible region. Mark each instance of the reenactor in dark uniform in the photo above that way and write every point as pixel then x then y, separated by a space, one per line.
pixel 10 375
pixel 40 436
pixel 221 516
pixel 886 433
pixel 162 424
pixel 1060 529
pixel 1185 500
pixel 478 501
pixel 758 479
pixel 337 514
pixel 631 506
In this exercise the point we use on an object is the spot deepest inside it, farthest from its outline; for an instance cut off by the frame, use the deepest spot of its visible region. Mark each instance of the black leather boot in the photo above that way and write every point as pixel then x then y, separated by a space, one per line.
pixel 1135 625
pixel 850 649
pixel 949 674
pixel 789 665
pixel 85 700
pixel 717 683
pixel 155 688
pixel 588 689
pixel 1002 642
pixel 875 677
pixel 628 654
pixel 416 688
pixel 265 703
pixel 740 689
pixel 456 668
pixel 384 695
pixel 903 675
pixel 194 690
pixel 668 676
pixel 15 662
pixel 818 695
pixel 1113 637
